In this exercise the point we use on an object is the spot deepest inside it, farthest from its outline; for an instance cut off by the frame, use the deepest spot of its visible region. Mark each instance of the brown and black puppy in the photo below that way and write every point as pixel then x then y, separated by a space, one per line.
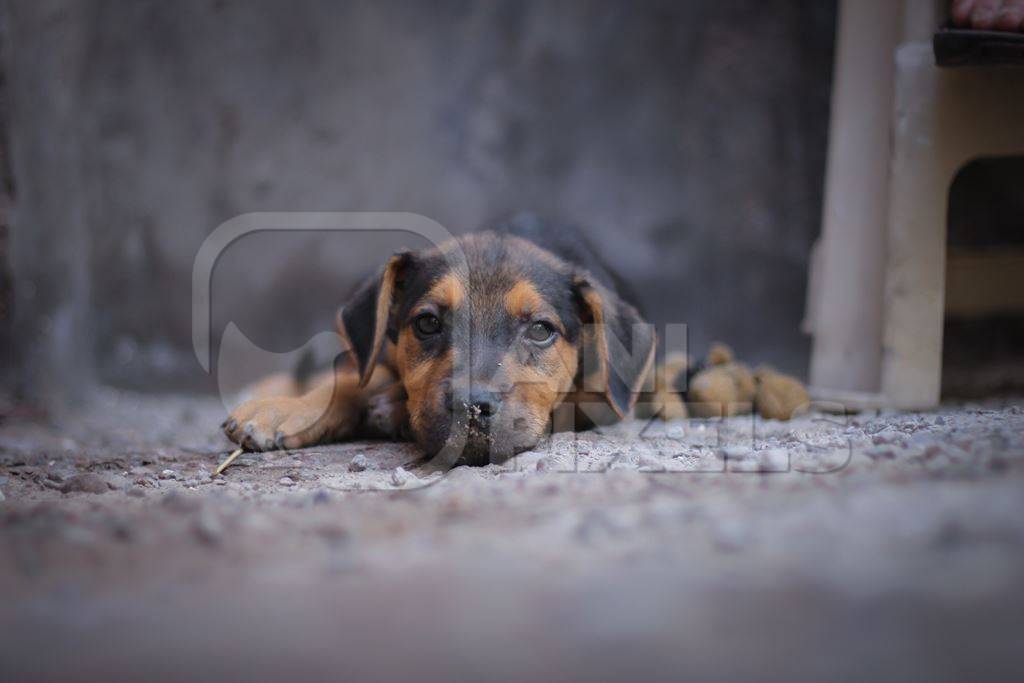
pixel 469 348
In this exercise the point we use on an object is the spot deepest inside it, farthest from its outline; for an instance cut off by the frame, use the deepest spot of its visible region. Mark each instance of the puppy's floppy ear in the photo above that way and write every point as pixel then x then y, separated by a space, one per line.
pixel 617 343
pixel 364 320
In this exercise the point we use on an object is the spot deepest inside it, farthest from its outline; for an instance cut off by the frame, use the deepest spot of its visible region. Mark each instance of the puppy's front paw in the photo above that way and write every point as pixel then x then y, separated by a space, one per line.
pixel 274 423
pixel 386 416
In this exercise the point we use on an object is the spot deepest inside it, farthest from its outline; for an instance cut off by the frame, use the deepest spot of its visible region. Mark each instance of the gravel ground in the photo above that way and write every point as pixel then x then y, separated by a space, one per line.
pixel 888 546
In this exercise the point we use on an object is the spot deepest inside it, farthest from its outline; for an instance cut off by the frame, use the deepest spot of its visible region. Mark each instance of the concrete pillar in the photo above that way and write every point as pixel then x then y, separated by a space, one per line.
pixel 846 318
pixel 49 239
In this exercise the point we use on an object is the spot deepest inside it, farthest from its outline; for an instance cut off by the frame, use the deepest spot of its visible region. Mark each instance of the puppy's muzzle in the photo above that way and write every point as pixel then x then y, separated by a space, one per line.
pixel 480 405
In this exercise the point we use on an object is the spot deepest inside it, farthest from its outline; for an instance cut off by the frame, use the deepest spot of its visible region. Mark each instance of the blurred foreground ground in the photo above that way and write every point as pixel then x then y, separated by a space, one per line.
pixel 119 557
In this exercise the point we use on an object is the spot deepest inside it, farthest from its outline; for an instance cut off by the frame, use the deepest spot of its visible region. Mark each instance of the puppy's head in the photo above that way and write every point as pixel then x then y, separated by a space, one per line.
pixel 489 334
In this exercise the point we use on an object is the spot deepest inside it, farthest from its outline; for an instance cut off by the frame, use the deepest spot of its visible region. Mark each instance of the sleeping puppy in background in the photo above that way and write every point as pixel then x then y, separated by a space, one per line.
pixel 469 349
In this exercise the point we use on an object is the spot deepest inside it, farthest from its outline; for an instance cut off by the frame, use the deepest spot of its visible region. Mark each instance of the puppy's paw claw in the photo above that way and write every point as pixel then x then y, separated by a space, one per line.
pixel 271 424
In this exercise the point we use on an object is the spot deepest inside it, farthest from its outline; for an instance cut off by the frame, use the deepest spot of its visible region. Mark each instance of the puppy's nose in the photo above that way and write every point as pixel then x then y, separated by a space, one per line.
pixel 483 404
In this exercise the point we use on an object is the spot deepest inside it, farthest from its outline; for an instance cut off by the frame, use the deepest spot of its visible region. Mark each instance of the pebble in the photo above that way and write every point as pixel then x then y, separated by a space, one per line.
pixel 358 463
pixel 286 481
pixel 168 474
pixel 399 477
pixel 87 482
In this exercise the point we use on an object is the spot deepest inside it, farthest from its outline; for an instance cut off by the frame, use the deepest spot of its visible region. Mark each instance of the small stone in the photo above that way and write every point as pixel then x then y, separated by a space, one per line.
pixel 286 481
pixel 168 474
pixel 400 478
pixel 358 463
pixel 88 482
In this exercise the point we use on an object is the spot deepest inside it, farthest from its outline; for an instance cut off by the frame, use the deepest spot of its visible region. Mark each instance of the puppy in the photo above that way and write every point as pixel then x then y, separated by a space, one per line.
pixel 469 349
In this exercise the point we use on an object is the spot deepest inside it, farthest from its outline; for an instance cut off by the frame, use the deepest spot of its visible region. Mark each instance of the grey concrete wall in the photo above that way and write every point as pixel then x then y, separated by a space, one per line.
pixel 687 137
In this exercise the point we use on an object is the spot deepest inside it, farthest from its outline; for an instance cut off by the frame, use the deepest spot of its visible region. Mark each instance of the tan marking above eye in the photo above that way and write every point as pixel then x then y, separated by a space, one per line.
pixel 523 299
pixel 448 291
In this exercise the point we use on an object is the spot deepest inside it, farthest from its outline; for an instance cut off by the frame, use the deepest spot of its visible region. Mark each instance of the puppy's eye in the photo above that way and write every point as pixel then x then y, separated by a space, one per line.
pixel 427 324
pixel 540 333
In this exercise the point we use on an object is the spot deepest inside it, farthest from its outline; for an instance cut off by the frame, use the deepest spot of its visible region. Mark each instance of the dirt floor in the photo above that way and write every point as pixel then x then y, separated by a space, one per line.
pixel 871 546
